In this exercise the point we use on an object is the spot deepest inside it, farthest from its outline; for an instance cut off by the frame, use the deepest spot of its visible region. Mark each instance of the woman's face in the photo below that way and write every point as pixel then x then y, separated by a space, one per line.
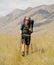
pixel 27 20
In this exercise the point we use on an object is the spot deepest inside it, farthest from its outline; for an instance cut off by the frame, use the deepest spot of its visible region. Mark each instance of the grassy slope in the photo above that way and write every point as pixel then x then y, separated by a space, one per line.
pixel 43 50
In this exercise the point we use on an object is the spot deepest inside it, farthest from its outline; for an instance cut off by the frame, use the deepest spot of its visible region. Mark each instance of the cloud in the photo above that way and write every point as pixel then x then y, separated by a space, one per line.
pixel 8 5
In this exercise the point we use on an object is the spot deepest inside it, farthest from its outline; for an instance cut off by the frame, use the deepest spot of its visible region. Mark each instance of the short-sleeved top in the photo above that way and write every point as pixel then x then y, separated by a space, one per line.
pixel 25 29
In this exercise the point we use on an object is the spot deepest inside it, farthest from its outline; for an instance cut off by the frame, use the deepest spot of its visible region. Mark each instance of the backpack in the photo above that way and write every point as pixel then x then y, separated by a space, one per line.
pixel 31 23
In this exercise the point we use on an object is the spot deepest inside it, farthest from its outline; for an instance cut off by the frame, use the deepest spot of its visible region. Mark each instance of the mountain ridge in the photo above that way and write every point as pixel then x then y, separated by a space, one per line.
pixel 11 22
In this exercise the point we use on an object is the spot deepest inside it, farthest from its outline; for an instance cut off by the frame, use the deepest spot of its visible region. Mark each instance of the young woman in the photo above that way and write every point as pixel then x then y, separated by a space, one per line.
pixel 25 32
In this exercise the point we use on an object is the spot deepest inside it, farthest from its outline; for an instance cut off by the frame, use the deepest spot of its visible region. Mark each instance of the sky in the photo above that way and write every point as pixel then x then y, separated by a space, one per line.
pixel 6 6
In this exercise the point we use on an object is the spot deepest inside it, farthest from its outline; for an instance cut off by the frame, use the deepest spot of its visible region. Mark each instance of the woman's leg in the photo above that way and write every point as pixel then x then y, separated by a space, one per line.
pixel 23 49
pixel 27 44
pixel 23 46
pixel 27 49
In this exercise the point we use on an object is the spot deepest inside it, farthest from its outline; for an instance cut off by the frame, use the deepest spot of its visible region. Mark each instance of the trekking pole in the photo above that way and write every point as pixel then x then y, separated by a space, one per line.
pixel 31 48
pixel 20 45
pixel 19 42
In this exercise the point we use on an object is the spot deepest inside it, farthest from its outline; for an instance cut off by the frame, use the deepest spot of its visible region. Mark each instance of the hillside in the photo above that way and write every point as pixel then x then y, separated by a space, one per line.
pixel 11 22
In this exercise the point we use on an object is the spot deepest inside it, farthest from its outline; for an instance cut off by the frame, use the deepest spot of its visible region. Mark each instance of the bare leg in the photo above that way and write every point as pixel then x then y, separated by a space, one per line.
pixel 23 49
pixel 27 49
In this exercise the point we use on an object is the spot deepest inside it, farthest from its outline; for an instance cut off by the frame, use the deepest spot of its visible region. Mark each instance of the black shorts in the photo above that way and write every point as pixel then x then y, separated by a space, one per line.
pixel 26 39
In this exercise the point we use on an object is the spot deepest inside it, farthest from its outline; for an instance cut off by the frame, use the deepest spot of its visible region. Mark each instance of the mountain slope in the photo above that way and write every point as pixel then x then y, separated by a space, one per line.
pixel 11 22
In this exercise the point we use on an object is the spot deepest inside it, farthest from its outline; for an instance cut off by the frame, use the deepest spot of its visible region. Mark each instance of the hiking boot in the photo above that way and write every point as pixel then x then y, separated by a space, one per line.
pixel 23 53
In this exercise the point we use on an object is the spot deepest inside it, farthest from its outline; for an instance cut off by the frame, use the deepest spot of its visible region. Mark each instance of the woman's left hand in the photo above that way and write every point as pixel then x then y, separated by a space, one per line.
pixel 30 30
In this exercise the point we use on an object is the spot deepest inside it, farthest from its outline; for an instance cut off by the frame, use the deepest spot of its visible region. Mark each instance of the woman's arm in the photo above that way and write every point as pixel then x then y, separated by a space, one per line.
pixel 20 32
pixel 21 29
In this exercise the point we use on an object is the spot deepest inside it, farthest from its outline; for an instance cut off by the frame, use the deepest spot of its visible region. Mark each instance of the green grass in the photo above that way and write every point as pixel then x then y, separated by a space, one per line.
pixel 41 53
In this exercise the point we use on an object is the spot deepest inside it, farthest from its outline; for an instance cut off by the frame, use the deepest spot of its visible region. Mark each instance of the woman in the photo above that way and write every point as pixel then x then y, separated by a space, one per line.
pixel 25 33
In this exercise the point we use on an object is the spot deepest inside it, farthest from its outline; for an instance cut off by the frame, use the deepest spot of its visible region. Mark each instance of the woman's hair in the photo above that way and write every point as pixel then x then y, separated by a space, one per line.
pixel 25 19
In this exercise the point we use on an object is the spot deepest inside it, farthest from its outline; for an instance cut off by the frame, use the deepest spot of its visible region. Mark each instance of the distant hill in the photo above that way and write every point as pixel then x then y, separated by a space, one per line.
pixel 43 16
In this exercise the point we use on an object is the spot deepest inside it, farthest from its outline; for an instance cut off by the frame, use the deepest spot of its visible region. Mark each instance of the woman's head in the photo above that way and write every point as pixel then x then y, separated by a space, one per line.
pixel 26 20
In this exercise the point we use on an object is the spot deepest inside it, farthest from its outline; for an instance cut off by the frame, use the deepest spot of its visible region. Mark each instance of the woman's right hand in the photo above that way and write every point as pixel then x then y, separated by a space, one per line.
pixel 20 32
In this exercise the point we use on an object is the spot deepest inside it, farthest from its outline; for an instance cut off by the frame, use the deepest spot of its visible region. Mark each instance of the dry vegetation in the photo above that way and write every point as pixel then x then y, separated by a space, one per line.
pixel 41 51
